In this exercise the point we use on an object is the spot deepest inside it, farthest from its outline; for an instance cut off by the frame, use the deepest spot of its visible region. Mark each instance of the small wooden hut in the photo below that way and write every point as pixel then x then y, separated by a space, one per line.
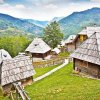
pixel 56 51
pixel 70 43
pixel 39 49
pixel 86 57
pixel 18 69
pixel 85 34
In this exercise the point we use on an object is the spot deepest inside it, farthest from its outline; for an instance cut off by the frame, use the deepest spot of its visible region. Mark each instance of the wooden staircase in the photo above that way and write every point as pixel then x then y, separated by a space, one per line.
pixel 21 91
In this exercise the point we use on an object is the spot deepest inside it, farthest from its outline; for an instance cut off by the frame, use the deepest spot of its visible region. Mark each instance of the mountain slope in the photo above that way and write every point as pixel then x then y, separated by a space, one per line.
pixel 56 19
pixel 75 22
pixel 7 21
pixel 36 22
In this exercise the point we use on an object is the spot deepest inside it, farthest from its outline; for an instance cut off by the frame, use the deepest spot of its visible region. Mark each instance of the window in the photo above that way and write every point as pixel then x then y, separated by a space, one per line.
pixel 81 38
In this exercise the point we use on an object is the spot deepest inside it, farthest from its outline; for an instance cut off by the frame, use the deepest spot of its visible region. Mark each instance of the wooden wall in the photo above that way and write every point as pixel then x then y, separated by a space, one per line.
pixel 40 55
pixel 70 47
pixel 7 88
pixel 87 68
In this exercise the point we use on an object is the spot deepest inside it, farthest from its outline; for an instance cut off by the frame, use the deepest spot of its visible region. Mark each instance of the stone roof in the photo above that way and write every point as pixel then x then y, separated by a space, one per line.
pixel 4 55
pixel 70 39
pixel 16 69
pixel 38 46
pixel 89 31
pixel 89 50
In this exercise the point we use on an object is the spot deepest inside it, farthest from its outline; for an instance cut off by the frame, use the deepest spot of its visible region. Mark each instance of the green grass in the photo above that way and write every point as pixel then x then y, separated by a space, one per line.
pixel 64 54
pixel 1 94
pixel 62 85
pixel 41 71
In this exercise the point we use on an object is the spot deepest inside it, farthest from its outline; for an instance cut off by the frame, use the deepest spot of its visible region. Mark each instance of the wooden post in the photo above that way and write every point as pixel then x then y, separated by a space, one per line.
pixel 11 96
pixel 74 63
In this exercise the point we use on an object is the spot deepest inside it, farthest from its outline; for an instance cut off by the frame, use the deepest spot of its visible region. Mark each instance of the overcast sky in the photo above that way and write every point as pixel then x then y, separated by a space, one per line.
pixel 45 9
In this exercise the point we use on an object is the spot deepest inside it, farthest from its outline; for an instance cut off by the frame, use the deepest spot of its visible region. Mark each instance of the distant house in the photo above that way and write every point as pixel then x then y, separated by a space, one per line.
pixel 70 43
pixel 56 50
pixel 4 55
pixel 85 34
pixel 86 57
pixel 18 69
pixel 38 49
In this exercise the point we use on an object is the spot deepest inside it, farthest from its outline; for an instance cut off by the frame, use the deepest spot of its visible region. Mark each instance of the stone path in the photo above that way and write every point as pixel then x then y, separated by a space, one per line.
pixel 52 71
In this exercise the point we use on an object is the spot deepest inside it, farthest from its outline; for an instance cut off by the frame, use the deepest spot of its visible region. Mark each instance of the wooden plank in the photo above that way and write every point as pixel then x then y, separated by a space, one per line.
pixel 20 90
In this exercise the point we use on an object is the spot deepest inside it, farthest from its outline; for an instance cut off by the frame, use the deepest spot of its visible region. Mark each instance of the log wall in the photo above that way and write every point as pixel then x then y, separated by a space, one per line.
pixel 87 68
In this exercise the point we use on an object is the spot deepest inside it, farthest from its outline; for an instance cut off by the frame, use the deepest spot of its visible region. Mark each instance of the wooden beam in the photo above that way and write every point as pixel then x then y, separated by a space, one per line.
pixel 11 96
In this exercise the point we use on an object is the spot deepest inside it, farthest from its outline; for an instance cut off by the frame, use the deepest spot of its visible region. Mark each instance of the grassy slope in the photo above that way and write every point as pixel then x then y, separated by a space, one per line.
pixel 63 54
pixel 41 71
pixel 61 85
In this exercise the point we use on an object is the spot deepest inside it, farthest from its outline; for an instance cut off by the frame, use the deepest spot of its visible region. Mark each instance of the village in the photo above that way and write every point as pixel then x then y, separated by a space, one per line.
pixel 82 51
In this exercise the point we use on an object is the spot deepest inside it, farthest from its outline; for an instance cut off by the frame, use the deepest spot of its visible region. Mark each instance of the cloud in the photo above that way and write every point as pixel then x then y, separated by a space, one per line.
pixel 20 6
pixel 1 1
pixel 50 6
pixel 95 0
pixel 45 9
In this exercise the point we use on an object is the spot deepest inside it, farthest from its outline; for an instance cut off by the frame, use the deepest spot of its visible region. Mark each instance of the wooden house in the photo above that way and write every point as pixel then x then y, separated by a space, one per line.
pixel 18 69
pixel 56 51
pixel 85 34
pixel 86 57
pixel 38 49
pixel 70 43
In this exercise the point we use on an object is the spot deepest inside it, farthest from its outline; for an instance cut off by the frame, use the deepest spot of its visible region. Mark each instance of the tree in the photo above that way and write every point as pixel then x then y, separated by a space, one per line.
pixel 14 44
pixel 53 34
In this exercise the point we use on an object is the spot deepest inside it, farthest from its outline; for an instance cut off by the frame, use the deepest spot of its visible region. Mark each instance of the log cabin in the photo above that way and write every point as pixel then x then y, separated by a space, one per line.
pixel 86 58
pixel 18 69
pixel 70 43
pixel 85 34
pixel 38 49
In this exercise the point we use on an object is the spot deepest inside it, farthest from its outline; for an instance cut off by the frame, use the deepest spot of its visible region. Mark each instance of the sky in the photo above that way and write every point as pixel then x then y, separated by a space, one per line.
pixel 45 9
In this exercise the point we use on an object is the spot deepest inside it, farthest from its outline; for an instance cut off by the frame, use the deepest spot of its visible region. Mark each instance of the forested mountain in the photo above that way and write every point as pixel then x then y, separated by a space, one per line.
pixel 7 21
pixel 71 24
pixel 36 22
pixel 75 22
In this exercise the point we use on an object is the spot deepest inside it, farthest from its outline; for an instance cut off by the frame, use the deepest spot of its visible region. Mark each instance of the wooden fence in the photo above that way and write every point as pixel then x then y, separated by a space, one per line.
pixel 48 63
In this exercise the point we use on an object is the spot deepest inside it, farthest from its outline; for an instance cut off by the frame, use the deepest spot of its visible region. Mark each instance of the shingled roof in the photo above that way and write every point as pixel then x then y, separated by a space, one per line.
pixel 16 69
pixel 89 50
pixel 38 46
pixel 89 31
pixel 70 39
pixel 4 55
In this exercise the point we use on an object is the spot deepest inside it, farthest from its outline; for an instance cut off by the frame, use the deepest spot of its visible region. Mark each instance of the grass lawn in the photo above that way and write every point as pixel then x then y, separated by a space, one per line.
pixel 64 54
pixel 62 85
pixel 41 71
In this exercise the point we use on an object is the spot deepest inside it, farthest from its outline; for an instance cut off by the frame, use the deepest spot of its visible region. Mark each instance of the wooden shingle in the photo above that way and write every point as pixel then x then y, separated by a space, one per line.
pixel 16 69
pixel 89 50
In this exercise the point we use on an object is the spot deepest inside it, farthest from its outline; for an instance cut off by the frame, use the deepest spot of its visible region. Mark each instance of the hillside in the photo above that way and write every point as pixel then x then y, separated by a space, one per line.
pixel 75 22
pixel 71 24
pixel 7 21
pixel 36 22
